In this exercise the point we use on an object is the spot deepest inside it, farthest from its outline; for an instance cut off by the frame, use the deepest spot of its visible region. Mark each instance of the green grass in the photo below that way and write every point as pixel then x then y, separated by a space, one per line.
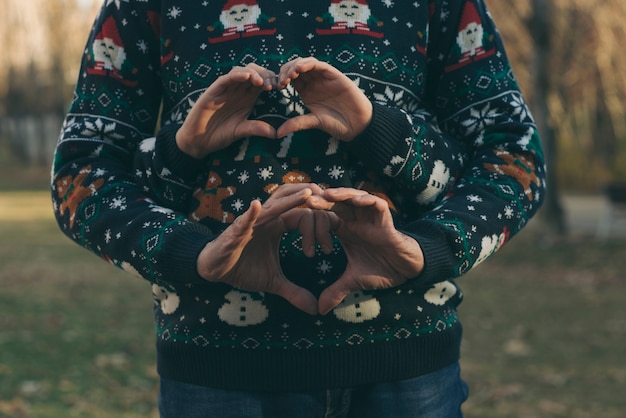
pixel 545 327
pixel 545 331
pixel 75 333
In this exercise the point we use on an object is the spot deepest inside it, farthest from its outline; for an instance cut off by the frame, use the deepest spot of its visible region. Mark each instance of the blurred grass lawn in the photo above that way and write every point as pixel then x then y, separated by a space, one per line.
pixel 545 327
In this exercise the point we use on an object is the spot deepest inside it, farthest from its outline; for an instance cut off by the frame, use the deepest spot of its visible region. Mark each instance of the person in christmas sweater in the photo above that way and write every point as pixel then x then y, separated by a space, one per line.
pixel 308 199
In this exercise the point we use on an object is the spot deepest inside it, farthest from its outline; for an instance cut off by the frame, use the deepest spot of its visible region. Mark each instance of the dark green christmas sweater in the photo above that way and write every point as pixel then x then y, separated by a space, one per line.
pixel 451 146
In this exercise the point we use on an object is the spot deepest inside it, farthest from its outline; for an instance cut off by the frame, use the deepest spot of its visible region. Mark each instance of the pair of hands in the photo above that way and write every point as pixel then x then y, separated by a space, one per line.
pixel 220 116
pixel 246 255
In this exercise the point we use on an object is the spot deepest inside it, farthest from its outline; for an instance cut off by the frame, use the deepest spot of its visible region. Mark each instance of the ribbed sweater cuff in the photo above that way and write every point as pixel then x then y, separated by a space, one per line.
pixel 378 143
pixel 181 251
pixel 439 261
pixel 180 164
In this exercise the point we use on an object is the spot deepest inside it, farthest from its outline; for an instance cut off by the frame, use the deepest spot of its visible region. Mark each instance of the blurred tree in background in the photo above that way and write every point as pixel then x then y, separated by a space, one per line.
pixel 566 55
pixel 43 44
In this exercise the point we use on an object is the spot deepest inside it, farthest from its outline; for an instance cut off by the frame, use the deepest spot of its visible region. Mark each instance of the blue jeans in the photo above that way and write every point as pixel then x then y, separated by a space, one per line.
pixel 435 395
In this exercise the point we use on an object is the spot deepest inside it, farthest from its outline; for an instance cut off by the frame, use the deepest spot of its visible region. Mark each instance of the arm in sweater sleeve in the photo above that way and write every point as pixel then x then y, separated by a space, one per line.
pixel 97 196
pixel 478 105
pixel 165 172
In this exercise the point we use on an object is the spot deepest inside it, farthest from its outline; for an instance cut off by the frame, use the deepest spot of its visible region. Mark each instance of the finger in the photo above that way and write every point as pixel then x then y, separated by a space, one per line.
pixel 307 64
pixel 269 77
pixel 322 230
pixel 375 208
pixel 315 188
pixel 339 194
pixel 333 295
pixel 330 208
pixel 344 211
pixel 352 203
pixel 362 207
pixel 244 223
pixel 343 208
pixel 335 221
pixel 255 128
pixel 291 188
pixel 318 202
pixel 303 220
pixel 217 94
pixel 297 296
pixel 306 227
pixel 275 206
pixel 220 255
pixel 252 74
pixel 225 86
pixel 288 72
pixel 291 218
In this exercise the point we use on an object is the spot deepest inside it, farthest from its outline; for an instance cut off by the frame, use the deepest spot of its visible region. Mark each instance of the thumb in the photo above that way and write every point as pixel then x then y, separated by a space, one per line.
pixel 298 123
pixel 246 221
pixel 253 127
pixel 219 256
pixel 239 233
pixel 297 296
pixel 334 294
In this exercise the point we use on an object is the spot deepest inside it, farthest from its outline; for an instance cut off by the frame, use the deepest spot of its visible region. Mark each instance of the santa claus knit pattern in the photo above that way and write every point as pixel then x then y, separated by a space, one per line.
pixel 452 147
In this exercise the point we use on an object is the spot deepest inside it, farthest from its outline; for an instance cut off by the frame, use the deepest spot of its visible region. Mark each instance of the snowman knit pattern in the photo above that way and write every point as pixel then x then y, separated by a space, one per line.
pixel 452 147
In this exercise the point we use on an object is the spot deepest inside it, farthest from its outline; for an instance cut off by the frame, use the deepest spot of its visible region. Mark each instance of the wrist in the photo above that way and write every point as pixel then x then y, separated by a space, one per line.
pixel 180 164
pixel 186 146
pixel 361 126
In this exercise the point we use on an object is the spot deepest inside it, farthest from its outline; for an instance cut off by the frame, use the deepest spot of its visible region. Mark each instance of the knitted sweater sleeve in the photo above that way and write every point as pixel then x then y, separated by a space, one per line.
pixel 97 197
pixel 476 103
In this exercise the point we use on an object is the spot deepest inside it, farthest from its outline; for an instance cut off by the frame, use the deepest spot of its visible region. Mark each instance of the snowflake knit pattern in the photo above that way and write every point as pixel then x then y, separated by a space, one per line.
pixel 452 147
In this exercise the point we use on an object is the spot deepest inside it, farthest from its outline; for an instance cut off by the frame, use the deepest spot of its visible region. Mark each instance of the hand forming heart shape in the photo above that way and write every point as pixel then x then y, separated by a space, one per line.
pixel 245 255
pixel 220 116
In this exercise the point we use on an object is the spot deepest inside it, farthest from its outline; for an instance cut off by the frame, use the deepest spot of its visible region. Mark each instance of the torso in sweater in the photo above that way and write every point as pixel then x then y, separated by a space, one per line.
pixel 441 86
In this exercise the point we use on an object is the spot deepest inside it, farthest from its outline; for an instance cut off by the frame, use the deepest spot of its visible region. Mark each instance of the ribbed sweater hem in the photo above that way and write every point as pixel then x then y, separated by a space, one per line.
pixel 293 370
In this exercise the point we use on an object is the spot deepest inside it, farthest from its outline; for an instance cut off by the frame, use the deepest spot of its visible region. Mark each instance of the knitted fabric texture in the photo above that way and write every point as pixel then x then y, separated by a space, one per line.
pixel 452 147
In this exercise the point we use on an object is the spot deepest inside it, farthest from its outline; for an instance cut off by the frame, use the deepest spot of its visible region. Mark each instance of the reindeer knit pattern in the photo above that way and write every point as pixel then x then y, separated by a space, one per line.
pixel 452 147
